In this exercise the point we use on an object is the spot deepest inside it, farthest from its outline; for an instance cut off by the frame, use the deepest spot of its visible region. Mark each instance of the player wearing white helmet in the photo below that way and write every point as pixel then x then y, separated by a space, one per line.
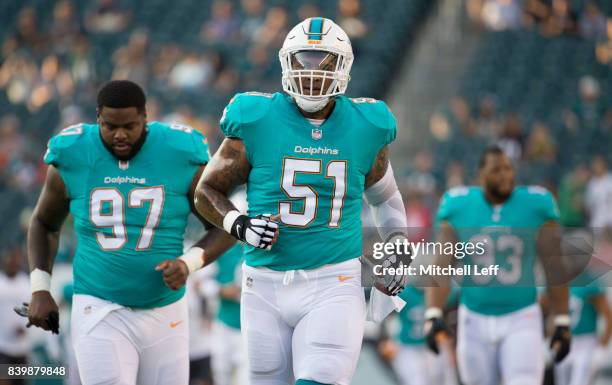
pixel 308 156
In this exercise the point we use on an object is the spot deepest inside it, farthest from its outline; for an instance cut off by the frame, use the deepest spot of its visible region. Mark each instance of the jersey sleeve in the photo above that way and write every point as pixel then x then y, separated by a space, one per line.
pixel 200 154
pixel 448 202
pixel 391 125
pixel 231 122
pixel 61 149
pixel 547 205
pixel 52 155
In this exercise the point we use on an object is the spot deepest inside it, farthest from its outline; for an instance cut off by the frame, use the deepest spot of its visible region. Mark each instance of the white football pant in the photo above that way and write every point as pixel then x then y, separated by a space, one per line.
pixel 115 345
pixel 229 363
pixel 303 324
pixel 507 349
pixel 417 365
pixel 576 368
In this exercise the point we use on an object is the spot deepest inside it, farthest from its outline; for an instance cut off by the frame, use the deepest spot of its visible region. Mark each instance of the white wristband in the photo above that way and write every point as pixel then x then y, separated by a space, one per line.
pixel 433 312
pixel 40 280
pixel 193 258
pixel 229 219
pixel 562 320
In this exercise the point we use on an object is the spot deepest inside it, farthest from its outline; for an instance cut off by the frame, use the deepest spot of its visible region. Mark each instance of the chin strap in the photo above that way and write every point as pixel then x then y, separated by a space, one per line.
pixel 311 105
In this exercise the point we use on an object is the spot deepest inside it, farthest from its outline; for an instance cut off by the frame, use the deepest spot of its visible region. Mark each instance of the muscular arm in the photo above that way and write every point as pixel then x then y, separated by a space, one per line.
pixel 549 251
pixel 439 289
pixel 49 214
pixel 600 302
pixel 381 163
pixel 227 169
pixel 216 241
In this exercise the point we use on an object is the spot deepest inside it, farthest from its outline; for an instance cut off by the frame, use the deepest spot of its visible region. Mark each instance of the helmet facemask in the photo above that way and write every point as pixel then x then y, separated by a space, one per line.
pixel 312 76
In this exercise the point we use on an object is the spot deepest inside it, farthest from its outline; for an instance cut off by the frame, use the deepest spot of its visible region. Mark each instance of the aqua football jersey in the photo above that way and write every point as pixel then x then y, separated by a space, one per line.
pixel 412 316
pixel 228 264
pixel 128 216
pixel 583 313
pixel 509 232
pixel 314 176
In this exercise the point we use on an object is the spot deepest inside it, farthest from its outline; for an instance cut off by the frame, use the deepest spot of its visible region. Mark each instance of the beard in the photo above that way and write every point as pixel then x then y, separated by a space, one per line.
pixel 133 150
pixel 499 194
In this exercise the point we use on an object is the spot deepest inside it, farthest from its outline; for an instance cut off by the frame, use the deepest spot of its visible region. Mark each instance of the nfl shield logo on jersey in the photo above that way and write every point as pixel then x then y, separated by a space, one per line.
pixel 317 134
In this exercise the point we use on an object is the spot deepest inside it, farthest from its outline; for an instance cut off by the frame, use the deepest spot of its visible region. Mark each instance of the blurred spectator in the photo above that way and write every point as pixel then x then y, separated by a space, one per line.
pixel 421 179
pixel 592 22
pixel 454 175
pixel 253 17
pixel 11 140
pixel 64 27
pixel 536 12
pixel 511 139
pixel 349 19
pixel 14 290
pixel 604 47
pixel 274 30
pixel 27 35
pixel 460 118
pixel 132 60
pixel 418 215
pixel 500 15
pixel 571 197
pixel 562 20
pixel 589 108
pixel 223 25
pixel 226 82
pixel 193 71
pixel 107 16
pixel 81 62
pixel 308 10
pixel 488 123
pixel 598 199
pixel 164 62
pixel 540 147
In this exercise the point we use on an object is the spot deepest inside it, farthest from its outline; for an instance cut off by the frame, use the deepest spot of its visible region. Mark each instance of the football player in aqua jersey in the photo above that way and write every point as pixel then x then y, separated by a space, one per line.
pixel 588 301
pixel 128 184
pixel 307 157
pixel 500 337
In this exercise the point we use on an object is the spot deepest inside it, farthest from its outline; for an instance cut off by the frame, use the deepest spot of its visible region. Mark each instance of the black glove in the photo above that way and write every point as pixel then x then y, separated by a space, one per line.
pixel 560 342
pixel 52 319
pixel 432 327
pixel 258 232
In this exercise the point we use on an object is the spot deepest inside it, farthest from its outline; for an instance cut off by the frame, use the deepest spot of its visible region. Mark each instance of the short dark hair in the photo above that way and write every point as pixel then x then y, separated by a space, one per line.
pixel 122 94
pixel 490 150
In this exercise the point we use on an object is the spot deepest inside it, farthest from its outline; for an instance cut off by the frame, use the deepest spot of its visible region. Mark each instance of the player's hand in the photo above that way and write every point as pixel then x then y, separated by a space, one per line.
pixel 175 273
pixel 387 350
pixel 435 328
pixel 260 232
pixel 43 312
pixel 393 284
pixel 560 342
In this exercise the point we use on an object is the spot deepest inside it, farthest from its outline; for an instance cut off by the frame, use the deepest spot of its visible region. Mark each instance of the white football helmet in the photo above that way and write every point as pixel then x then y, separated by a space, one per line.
pixel 316 59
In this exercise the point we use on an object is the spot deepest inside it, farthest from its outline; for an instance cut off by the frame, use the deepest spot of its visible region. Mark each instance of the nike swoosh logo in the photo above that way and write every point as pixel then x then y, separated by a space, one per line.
pixel 175 324
pixel 344 278
pixel 238 229
pixel 339 39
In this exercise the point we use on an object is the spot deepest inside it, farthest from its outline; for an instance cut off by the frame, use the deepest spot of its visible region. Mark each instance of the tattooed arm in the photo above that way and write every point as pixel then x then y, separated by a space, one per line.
pixel 387 208
pixel 381 164
pixel 228 169
pixel 383 196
